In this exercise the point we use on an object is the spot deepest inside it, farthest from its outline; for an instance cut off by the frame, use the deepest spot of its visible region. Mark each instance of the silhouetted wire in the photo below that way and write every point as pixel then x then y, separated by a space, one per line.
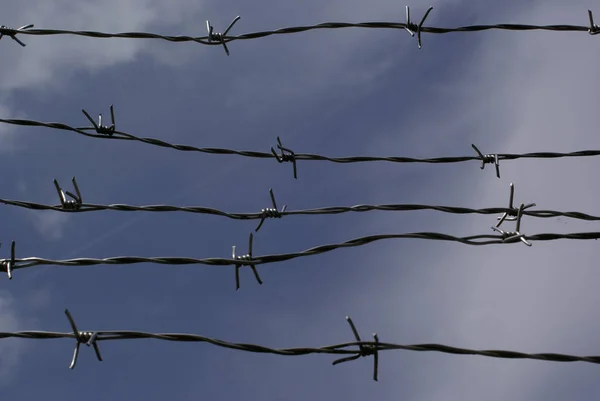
pixel 333 349
pixel 298 29
pixel 331 210
pixel 337 349
pixel 470 240
pixel 119 135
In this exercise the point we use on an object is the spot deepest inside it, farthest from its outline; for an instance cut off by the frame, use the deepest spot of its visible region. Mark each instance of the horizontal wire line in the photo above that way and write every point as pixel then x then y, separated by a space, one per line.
pixel 21 263
pixel 89 207
pixel 332 349
pixel 119 135
pixel 338 349
pixel 298 29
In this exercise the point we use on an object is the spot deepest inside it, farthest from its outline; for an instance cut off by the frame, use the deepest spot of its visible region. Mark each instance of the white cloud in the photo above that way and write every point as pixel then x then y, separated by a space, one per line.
pixel 50 225
pixel 517 94
pixel 533 92
pixel 51 60
pixel 332 61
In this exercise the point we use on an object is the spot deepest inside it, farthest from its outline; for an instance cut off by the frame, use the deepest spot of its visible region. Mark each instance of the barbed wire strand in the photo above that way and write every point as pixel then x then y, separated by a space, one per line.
pixel 288 155
pixel 356 242
pixel 365 348
pixel 218 39
pixel 330 210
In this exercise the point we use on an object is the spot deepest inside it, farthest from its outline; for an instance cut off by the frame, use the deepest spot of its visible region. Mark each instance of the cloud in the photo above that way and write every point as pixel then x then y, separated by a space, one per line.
pixel 50 225
pixel 508 92
pixel 534 92
pixel 51 61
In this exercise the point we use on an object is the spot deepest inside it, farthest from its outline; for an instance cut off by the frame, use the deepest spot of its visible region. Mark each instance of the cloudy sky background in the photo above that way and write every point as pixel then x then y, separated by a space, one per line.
pixel 334 92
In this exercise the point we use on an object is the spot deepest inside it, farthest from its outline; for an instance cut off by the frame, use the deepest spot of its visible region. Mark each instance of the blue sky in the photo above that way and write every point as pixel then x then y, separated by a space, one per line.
pixel 335 92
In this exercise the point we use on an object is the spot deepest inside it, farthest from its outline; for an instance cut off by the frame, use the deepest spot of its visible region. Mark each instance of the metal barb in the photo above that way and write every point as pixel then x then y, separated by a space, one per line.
pixel 7 31
pixel 246 261
pixel 411 27
pixel 363 350
pixel 511 236
pixel 220 37
pixel 488 158
pixel 82 337
pixel 594 29
pixel 103 129
pixel 9 264
pixel 270 212
pixel 69 204
pixel 512 215
pixel 290 156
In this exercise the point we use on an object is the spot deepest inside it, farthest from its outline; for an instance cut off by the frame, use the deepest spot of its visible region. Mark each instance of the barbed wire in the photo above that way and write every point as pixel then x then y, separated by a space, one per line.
pixel 77 206
pixel 221 39
pixel 365 348
pixel 505 237
pixel 288 155
pixel 356 242
pixel 356 349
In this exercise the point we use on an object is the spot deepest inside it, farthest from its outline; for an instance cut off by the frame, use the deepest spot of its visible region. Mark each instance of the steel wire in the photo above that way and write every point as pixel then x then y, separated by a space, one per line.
pixel 293 157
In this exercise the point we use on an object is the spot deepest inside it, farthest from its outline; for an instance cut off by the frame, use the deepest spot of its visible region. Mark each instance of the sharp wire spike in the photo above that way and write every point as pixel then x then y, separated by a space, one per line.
pixel 102 129
pixel 77 335
pixel 77 197
pixel 9 264
pixel 220 37
pixel 283 157
pixel 61 194
pixel 411 27
pixel 376 358
pixel 509 236
pixel 237 270
pixel 245 260
pixel 76 200
pixel 270 212
pixel 81 337
pixel 7 31
pixel 488 158
pixel 363 350
pixel 594 29
pixel 513 213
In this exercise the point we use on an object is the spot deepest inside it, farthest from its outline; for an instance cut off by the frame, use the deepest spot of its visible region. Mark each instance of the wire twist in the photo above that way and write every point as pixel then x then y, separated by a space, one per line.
pixel 220 37
pixel 364 348
pixel 270 212
pixel 12 33
pixel 245 260
pixel 76 206
pixel 82 337
pixel 287 155
pixel 213 38
pixel 72 204
pixel 488 159
pixel 103 129
pixel 253 261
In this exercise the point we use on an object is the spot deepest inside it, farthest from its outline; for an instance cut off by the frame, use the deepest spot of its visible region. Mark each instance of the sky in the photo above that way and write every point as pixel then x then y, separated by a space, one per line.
pixel 343 92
